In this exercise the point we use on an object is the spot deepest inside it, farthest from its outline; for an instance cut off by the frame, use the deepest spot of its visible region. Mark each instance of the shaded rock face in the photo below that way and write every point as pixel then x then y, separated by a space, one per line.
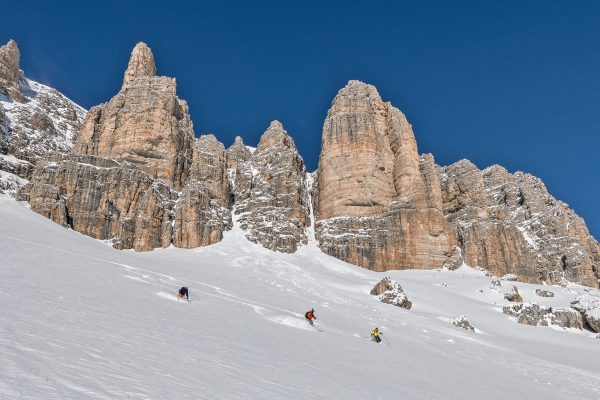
pixel 270 191
pixel 202 212
pixel 35 120
pixel 145 124
pixel 509 223
pixel 136 175
pixel 536 315
pixel 390 292
pixel 379 204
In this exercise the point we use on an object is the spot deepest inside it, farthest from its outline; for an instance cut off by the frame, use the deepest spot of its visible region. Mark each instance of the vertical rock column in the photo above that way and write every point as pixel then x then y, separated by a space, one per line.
pixel 379 203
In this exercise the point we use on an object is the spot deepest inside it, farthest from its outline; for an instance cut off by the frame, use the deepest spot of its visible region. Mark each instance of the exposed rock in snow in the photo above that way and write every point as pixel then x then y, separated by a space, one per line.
pixel 390 292
pixel 544 293
pixel 589 307
pixel 509 277
pixel 514 295
pixel 496 284
pixel 509 223
pixel 463 322
pixel 271 199
pixel 35 120
pixel 536 315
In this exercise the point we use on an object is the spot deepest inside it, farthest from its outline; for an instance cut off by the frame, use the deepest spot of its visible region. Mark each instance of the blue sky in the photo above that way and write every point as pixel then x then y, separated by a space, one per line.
pixel 510 82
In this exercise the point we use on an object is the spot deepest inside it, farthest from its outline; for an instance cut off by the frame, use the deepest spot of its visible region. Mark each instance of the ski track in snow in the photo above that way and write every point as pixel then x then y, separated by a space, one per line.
pixel 105 324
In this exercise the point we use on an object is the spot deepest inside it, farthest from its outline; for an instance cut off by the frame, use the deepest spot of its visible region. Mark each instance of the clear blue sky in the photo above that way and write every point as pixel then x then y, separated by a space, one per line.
pixel 515 83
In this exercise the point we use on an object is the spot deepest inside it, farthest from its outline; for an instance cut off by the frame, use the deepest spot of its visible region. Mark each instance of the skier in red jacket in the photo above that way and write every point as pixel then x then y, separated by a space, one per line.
pixel 310 316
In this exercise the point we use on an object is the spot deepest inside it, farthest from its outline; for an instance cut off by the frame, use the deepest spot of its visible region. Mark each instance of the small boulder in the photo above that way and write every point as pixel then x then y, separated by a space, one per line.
pixel 544 293
pixel 589 307
pixel 463 322
pixel 514 296
pixel 566 318
pixel 390 292
pixel 496 284
pixel 509 277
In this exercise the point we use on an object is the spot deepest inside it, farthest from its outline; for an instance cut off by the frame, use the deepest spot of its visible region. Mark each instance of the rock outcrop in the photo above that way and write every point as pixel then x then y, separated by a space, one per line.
pixel 390 292
pixel 536 315
pixel 379 204
pixel 544 293
pixel 270 191
pixel 514 295
pixel 136 176
pixel 509 223
pixel 462 322
pixel 35 120
pixel 589 307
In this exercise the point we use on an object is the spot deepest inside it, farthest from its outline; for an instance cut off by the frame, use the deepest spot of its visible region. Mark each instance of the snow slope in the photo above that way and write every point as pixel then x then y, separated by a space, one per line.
pixel 81 320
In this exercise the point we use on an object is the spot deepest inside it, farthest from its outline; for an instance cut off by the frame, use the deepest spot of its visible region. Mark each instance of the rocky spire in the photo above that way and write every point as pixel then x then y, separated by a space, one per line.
pixel 141 63
pixel 154 129
pixel 275 136
pixel 270 192
pixel 10 74
pixel 237 153
pixel 371 174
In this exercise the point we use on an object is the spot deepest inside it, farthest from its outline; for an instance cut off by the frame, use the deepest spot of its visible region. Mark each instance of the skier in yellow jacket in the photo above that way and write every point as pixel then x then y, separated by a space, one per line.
pixel 375 335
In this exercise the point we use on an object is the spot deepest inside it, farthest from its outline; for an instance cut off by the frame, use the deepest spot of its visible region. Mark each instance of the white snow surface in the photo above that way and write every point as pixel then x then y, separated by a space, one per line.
pixel 81 320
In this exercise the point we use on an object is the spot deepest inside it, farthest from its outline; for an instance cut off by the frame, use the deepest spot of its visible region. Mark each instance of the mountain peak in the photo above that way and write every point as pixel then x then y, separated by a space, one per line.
pixel 10 73
pixel 141 63
pixel 275 136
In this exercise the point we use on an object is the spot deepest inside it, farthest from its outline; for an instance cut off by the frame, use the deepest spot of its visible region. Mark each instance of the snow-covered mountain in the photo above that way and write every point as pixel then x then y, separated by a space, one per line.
pixel 82 320
pixel 138 176
pixel 35 121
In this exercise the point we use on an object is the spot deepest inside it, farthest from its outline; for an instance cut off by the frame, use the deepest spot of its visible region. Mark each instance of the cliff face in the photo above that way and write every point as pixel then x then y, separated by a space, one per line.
pixel 144 124
pixel 270 191
pixel 379 203
pixel 136 176
pixel 35 120
pixel 382 206
pixel 509 223
pixel 203 210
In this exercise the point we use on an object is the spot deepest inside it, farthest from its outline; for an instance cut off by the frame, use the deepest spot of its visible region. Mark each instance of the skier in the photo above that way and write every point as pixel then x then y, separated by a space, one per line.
pixel 310 316
pixel 375 335
pixel 183 292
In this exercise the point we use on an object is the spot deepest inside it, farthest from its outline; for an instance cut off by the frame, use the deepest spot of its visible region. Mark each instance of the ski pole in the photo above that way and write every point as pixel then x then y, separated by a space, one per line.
pixel 388 342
